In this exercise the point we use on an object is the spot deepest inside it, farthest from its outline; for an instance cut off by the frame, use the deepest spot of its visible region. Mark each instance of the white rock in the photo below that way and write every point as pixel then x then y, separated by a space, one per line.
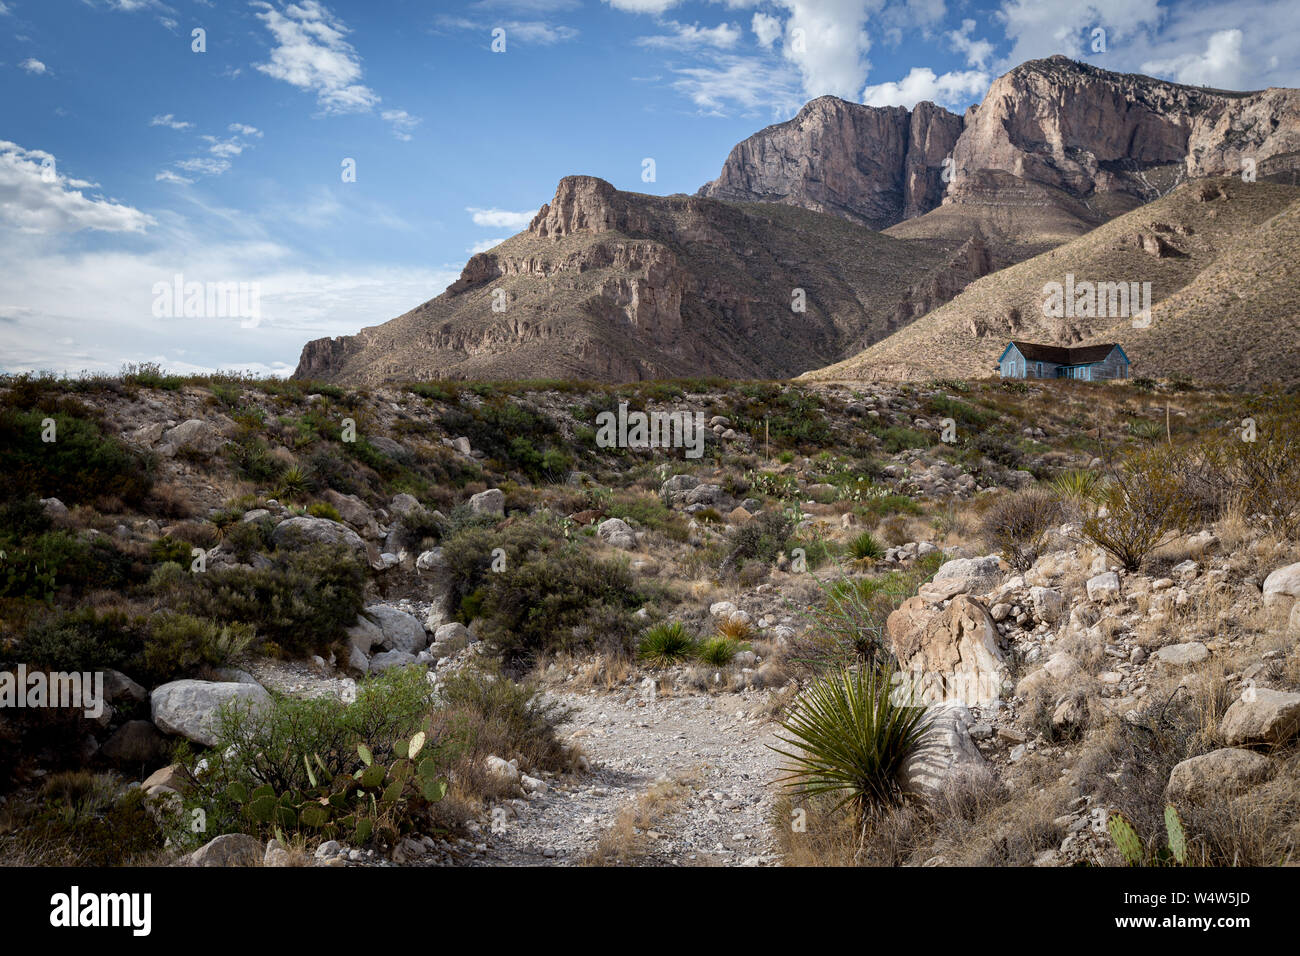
pixel 189 708
pixel 1103 587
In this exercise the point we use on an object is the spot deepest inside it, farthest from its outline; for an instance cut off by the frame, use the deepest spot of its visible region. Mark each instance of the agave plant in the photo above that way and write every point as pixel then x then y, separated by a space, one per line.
pixel 851 736
pixel 1079 486
pixel 666 643
pixel 865 546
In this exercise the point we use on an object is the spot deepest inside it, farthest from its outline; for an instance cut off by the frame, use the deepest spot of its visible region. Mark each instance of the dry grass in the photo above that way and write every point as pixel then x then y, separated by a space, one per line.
pixel 628 839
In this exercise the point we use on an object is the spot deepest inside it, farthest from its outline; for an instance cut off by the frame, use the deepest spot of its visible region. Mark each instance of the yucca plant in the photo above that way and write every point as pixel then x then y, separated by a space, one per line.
pixel 666 643
pixel 718 651
pixel 865 546
pixel 295 482
pixel 1079 486
pixel 851 737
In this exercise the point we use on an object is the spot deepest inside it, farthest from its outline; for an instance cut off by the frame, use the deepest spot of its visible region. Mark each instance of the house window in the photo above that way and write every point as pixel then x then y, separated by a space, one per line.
pixel 1038 369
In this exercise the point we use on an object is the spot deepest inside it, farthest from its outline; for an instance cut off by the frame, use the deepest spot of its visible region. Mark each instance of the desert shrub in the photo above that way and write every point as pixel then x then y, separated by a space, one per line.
pixel 167 548
pixel 176 645
pixel 547 601
pixel 1265 473
pixel 302 603
pixel 850 737
pixel 56 561
pixel 494 715
pixel 761 540
pixel 666 643
pixel 323 509
pixel 515 435
pixel 247 538
pixel 150 375
pixel 1144 509
pixel 82 464
pixel 81 818
pixel 896 438
pixel 295 482
pixel 1080 487
pixel 1016 523
pixel 252 459
pixel 865 545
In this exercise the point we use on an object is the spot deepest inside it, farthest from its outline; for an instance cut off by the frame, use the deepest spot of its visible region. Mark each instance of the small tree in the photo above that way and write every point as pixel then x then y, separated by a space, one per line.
pixel 1144 507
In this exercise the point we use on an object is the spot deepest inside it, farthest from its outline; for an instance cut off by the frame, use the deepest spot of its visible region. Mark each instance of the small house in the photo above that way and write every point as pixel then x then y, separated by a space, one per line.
pixel 1090 363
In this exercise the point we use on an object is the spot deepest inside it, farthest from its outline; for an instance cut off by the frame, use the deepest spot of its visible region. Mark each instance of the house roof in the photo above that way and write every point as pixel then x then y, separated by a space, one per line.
pixel 1063 355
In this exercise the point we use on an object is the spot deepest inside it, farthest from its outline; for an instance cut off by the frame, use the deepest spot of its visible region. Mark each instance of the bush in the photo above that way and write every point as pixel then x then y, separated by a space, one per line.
pixel 763 539
pixel 666 643
pixel 303 603
pixel 323 509
pixel 1016 523
pixel 1144 509
pixel 851 739
pixel 81 465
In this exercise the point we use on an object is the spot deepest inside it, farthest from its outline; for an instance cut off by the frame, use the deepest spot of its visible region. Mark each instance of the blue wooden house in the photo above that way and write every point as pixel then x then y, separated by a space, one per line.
pixel 1090 363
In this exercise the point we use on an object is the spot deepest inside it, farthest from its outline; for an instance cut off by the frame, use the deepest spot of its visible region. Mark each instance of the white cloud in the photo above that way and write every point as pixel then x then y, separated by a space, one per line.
pixel 956 88
pixel 204 166
pixel 402 123
pixel 687 36
pixel 167 176
pixel 748 82
pixel 313 54
pixel 767 29
pixel 35 198
pixel 4 10
pixel 977 51
pixel 244 130
pixel 1039 28
pixel 225 147
pixel 170 121
pixel 1220 65
pixel 828 41
pixel 643 6
pixel 34 66
pixel 501 218
pixel 517 31
pixel 484 246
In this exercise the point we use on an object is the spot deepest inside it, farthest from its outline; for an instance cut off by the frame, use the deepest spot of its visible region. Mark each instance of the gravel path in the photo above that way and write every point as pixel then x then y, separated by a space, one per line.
pixel 704 754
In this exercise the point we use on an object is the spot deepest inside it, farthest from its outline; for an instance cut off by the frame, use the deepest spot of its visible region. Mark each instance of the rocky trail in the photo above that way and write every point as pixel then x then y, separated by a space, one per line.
pixel 696 765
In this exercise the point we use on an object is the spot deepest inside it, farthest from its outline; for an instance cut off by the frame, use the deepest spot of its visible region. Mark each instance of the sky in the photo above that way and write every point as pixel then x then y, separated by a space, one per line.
pixel 342 159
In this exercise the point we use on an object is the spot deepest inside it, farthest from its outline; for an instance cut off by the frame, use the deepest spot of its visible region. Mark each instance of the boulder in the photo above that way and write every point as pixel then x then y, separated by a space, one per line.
pixel 1282 587
pixel 351 508
pixel 1104 587
pixel 1216 775
pixel 229 849
pixel 501 770
pixel 1182 655
pixel 194 434
pixel 490 502
pixel 304 531
pixel 1049 604
pixel 950 655
pixel 617 533
pixel 364 635
pixel 189 708
pixel 1261 717
pixel 962 576
pixel 1059 668
pixel 450 639
pixel 403 505
pixel 390 659
pixel 400 631
pixel 947 756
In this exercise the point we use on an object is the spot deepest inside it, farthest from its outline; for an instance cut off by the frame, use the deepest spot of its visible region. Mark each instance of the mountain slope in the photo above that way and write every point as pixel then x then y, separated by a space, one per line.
pixel 615 286
pixel 1218 253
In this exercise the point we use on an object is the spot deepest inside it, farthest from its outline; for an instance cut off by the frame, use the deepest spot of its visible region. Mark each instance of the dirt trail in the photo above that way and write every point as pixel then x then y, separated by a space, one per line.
pixel 706 750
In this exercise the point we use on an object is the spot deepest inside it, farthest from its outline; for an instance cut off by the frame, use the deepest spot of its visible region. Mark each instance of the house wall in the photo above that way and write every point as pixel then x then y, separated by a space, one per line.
pixel 1113 367
pixel 1016 366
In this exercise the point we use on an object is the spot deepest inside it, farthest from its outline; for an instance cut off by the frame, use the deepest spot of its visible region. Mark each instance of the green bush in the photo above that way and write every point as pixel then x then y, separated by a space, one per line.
pixel 763 540
pixel 865 545
pixel 718 651
pixel 82 464
pixel 323 509
pixel 303 603
pixel 851 738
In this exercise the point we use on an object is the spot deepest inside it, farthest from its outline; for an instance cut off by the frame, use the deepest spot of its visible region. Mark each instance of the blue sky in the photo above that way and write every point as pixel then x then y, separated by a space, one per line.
pixel 127 157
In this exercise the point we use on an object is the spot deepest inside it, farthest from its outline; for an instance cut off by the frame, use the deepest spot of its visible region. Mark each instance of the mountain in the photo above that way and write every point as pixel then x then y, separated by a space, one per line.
pixel 1056 148
pixel 875 166
pixel 616 286
pixel 1219 254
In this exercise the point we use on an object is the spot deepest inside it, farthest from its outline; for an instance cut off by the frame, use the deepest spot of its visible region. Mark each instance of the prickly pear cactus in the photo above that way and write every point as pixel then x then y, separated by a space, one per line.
pixel 1126 838
pixel 1177 837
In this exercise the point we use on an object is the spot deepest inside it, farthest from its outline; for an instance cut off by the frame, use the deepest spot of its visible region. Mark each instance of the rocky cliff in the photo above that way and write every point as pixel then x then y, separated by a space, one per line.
pixel 616 286
pixel 873 166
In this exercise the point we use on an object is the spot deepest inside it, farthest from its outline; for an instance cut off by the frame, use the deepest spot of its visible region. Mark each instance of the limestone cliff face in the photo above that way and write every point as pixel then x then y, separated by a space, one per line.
pixel 873 166
pixel 619 286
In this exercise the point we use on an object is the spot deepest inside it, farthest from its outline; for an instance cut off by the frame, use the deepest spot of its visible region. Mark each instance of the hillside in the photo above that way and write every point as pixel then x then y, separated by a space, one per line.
pixel 614 286
pixel 1217 254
